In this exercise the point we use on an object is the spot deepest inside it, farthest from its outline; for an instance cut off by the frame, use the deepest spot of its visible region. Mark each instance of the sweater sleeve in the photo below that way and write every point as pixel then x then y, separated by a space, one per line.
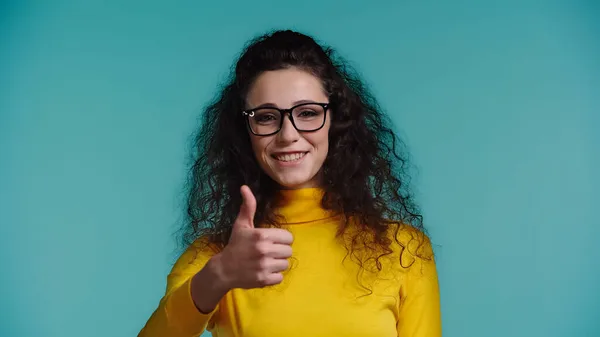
pixel 177 315
pixel 419 311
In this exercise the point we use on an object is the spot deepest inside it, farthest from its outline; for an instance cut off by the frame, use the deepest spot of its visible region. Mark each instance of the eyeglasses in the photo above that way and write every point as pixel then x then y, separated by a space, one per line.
pixel 305 117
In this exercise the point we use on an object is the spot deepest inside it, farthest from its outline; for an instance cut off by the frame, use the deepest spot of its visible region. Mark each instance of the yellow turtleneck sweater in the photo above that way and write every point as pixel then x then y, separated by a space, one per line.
pixel 323 293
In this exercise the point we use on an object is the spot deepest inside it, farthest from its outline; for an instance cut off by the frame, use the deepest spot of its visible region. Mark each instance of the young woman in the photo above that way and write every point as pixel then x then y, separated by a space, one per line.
pixel 301 222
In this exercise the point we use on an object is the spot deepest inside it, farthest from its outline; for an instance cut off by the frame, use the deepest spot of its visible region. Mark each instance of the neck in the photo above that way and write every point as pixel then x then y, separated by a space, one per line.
pixel 301 205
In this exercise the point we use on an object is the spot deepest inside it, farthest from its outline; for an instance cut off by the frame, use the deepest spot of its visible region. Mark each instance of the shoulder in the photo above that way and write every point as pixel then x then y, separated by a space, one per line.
pixel 195 256
pixel 190 262
pixel 411 242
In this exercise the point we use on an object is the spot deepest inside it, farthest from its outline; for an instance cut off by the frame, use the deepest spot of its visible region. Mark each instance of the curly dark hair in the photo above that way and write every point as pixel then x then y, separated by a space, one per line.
pixel 365 175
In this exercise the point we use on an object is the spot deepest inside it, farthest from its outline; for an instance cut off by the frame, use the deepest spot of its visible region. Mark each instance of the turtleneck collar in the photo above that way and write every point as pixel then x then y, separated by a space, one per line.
pixel 302 205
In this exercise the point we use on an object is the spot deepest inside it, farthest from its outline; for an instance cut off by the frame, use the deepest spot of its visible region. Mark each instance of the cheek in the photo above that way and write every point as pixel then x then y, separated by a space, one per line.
pixel 325 145
pixel 324 136
pixel 321 142
pixel 259 145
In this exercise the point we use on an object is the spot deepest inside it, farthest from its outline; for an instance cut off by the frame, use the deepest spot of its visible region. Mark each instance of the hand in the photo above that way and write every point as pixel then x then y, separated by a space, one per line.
pixel 254 257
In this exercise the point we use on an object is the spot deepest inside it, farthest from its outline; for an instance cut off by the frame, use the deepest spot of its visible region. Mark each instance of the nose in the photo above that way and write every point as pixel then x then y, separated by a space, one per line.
pixel 288 133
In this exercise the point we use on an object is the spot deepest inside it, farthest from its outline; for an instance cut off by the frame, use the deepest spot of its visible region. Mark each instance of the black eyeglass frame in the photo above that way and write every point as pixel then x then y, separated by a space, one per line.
pixel 250 113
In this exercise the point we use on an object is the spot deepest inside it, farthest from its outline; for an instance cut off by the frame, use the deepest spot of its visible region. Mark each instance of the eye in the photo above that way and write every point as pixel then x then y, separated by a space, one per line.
pixel 308 113
pixel 264 118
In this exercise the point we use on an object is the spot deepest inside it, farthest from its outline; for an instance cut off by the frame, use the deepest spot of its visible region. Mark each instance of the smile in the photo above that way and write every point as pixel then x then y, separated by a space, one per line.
pixel 289 157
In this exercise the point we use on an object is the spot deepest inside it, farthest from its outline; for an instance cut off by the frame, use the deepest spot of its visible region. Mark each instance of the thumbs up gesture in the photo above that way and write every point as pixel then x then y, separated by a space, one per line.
pixel 254 257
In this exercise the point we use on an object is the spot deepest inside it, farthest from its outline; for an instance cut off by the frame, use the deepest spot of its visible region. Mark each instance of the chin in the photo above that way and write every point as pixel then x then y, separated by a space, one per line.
pixel 294 182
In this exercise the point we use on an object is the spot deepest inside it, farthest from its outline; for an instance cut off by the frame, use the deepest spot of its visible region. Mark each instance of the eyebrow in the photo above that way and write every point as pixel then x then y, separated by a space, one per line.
pixel 272 105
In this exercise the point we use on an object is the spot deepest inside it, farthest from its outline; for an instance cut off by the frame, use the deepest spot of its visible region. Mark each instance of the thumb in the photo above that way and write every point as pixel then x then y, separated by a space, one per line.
pixel 245 217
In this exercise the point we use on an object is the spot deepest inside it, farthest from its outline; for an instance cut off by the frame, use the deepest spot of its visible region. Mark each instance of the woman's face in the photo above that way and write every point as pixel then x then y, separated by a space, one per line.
pixel 292 159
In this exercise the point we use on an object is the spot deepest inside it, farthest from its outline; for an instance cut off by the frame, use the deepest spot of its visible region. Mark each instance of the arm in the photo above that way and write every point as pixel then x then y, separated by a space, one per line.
pixel 191 299
pixel 253 258
pixel 419 311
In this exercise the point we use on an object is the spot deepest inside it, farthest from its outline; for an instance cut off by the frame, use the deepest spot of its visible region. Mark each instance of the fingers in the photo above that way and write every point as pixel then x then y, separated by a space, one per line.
pixel 275 235
pixel 279 251
pixel 271 271
pixel 272 279
pixel 245 217
pixel 257 255
pixel 275 265
pixel 274 250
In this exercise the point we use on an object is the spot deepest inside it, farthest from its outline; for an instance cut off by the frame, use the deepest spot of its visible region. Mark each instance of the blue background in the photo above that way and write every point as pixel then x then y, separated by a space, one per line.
pixel 499 102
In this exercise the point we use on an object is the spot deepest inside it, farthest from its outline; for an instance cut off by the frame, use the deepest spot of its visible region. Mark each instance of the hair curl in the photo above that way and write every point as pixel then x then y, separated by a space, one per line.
pixel 365 174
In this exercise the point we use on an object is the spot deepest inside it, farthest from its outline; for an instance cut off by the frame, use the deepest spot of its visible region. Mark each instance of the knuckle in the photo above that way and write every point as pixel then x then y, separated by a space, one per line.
pixel 262 249
pixel 260 235
pixel 263 264
pixel 261 278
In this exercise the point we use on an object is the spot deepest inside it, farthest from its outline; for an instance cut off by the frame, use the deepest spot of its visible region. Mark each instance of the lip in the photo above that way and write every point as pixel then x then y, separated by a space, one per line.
pixel 288 163
pixel 286 152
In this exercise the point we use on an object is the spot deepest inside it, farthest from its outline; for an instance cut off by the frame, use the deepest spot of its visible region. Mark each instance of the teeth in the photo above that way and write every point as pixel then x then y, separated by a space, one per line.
pixel 290 157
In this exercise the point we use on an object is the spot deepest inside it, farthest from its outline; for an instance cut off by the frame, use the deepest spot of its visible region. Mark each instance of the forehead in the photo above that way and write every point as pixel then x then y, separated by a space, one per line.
pixel 284 87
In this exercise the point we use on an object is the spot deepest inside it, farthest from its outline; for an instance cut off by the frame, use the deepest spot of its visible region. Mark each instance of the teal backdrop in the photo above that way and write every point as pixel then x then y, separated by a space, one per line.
pixel 499 102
